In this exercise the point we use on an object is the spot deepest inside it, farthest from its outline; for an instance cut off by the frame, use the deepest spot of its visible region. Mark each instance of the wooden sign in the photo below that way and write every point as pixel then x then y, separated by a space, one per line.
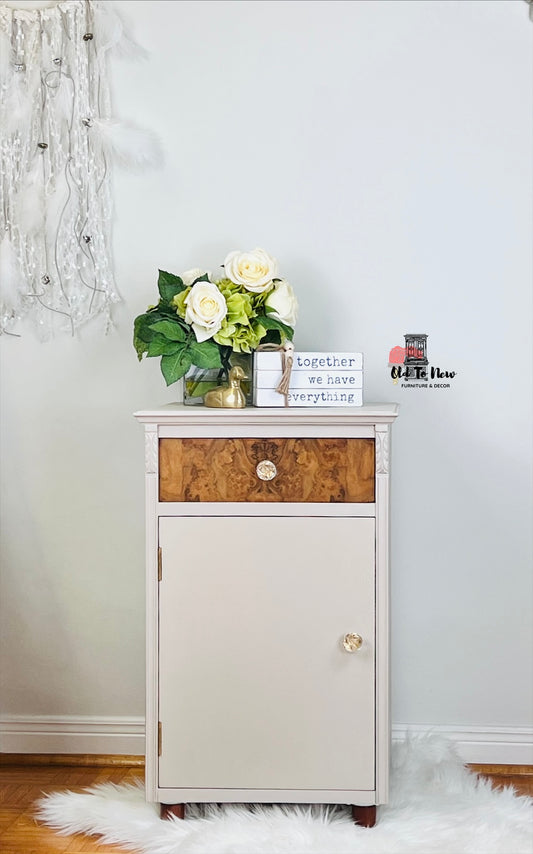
pixel 317 379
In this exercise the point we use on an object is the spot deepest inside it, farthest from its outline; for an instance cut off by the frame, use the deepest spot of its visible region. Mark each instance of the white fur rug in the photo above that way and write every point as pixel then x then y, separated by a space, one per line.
pixel 437 807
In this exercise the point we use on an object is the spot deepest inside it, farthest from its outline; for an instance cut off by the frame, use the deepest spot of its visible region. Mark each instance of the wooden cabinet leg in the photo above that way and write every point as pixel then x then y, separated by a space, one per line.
pixel 177 810
pixel 365 816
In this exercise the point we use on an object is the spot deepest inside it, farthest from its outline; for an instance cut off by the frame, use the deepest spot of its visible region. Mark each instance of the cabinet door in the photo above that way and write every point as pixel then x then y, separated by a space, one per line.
pixel 255 687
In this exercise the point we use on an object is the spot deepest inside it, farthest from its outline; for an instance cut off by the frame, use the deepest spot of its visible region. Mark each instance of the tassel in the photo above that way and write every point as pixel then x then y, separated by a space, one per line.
pixel 55 208
pixel 5 55
pixel 29 202
pixel 18 105
pixel 130 146
pixel 61 102
pixel 287 359
pixel 11 285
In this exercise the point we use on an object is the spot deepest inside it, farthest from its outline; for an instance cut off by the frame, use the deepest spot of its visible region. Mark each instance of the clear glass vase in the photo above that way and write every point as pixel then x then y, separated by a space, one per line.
pixel 198 381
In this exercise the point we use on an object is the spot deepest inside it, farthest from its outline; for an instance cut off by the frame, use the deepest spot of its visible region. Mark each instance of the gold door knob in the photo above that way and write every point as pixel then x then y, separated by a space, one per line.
pixel 266 470
pixel 352 642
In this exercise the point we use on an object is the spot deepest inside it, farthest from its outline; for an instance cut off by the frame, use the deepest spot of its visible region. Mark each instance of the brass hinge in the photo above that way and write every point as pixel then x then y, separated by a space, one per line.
pixel 159 738
pixel 159 564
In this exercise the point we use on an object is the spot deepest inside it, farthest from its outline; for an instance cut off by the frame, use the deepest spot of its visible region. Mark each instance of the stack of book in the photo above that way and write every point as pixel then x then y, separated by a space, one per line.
pixel 317 379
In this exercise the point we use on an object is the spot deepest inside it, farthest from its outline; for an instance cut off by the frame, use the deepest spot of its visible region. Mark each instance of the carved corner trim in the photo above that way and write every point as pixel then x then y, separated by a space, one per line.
pixel 150 451
pixel 382 451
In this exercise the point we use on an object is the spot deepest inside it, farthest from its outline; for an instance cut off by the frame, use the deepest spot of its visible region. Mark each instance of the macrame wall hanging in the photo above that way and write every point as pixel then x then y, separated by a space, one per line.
pixel 57 142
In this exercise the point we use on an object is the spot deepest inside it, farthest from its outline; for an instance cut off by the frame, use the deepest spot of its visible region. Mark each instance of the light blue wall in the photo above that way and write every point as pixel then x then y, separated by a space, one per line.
pixel 382 151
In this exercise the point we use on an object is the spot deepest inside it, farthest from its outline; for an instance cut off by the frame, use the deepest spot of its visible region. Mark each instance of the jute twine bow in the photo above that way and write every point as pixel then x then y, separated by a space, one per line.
pixel 287 358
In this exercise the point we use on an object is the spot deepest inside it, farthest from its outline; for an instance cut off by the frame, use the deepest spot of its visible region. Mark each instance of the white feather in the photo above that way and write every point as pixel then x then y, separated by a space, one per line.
pixel 130 146
pixel 112 33
pixel 29 201
pixel 11 285
pixel 127 47
pixel 107 28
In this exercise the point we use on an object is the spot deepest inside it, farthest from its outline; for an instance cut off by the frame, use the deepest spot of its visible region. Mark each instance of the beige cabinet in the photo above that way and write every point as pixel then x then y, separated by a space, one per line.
pixel 267 606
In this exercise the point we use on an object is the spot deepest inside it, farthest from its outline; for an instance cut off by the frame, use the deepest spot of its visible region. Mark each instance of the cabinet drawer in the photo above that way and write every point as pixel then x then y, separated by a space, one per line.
pixel 304 470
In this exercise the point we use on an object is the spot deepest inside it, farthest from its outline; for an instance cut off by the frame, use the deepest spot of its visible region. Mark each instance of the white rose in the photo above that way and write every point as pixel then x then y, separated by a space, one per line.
pixel 206 309
pixel 189 276
pixel 255 270
pixel 283 302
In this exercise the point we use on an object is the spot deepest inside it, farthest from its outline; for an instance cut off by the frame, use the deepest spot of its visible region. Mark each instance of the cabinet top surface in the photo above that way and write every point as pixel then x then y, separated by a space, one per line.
pixel 175 413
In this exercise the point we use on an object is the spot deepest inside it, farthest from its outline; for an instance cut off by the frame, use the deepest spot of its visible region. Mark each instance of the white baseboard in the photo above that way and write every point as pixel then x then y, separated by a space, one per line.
pixel 71 734
pixel 479 744
pixel 114 735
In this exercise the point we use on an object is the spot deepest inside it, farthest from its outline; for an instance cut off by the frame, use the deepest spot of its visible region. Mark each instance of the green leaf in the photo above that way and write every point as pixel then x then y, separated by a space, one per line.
pixel 176 366
pixel 169 285
pixel 272 323
pixel 205 355
pixel 163 347
pixel 162 311
pixel 169 329
pixel 141 327
pixel 204 278
pixel 142 334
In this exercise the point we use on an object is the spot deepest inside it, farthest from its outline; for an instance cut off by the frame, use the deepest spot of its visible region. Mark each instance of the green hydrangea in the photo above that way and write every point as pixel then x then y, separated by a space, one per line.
pixel 242 338
pixel 229 289
pixel 179 301
pixel 240 308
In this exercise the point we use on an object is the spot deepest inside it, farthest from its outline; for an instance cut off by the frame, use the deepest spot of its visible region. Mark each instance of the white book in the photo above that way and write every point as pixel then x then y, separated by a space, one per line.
pixel 309 397
pixel 310 379
pixel 312 361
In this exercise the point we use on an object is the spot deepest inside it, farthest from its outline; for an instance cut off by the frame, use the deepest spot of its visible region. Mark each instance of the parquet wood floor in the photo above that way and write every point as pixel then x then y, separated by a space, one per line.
pixel 21 786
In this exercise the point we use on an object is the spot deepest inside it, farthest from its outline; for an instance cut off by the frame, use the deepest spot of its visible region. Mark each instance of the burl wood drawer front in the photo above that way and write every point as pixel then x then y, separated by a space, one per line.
pixel 317 470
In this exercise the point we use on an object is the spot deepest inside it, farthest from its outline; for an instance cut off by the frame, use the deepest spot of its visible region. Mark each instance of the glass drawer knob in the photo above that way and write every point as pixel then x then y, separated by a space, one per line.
pixel 266 470
pixel 352 642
